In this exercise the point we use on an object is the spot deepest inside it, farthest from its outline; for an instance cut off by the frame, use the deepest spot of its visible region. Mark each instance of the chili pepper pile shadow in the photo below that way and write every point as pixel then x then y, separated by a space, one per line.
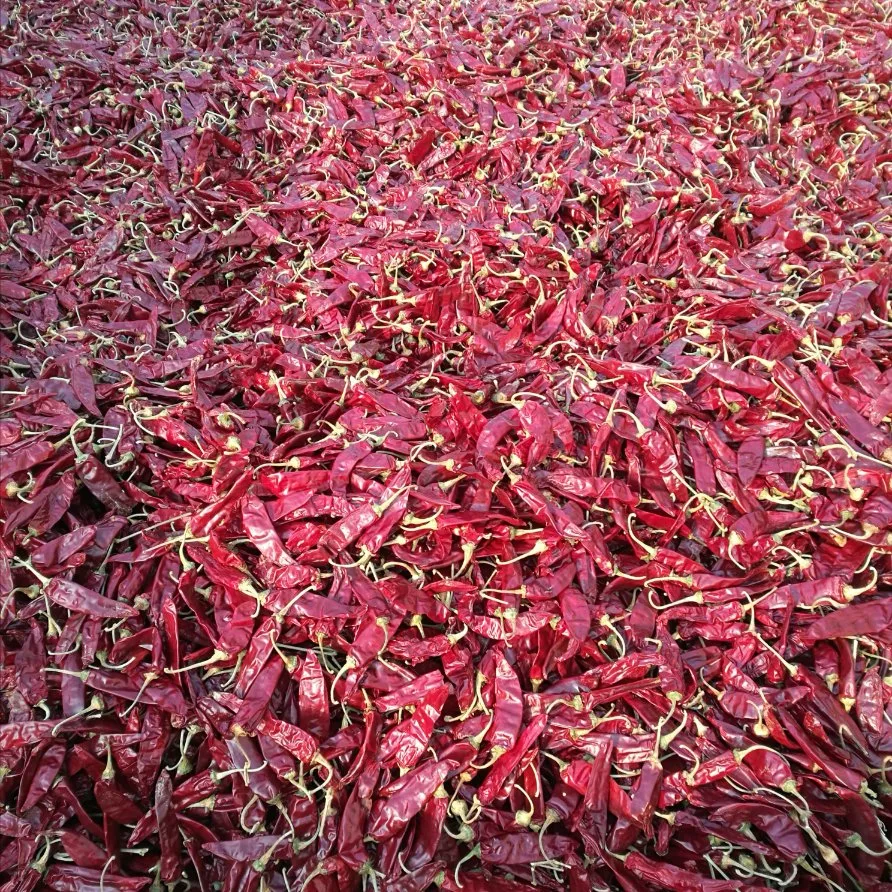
pixel 445 446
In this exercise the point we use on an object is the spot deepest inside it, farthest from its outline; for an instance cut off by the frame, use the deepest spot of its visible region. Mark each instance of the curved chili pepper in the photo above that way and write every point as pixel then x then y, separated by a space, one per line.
pixel 509 760
pixel 404 800
pixel 405 743
pixel 261 531
pixel 507 706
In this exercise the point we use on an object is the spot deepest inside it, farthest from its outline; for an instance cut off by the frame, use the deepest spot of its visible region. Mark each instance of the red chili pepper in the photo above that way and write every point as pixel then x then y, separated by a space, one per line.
pixel 39 773
pixel 262 533
pixel 83 600
pixel 66 878
pixel 507 706
pixel 218 512
pixel 406 742
pixel 82 851
pixel 313 698
pixel 258 696
pixel 25 456
pixel 402 800
pixel 168 831
pixel 332 389
pixel 295 740
pixel 668 876
pixel 867 618
pixel 509 760
pixel 97 478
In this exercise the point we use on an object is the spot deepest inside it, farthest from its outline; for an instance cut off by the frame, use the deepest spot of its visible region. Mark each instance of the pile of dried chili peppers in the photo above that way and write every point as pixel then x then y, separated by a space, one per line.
pixel 445 446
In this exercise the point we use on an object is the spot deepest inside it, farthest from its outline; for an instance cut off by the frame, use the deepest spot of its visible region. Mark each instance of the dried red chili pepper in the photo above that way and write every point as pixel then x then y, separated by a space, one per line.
pixel 437 421
pixel 402 800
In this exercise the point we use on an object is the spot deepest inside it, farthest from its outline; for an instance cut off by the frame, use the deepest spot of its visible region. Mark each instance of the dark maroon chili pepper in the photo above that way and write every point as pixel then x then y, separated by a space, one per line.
pixel 58 554
pixel 155 737
pixel 39 773
pixel 82 851
pixel 720 831
pixel 419 879
pixel 507 706
pixel 15 827
pixel 197 787
pixel 245 756
pixel 133 649
pixel 14 735
pixel 151 690
pixel 262 645
pixel 749 459
pixel 596 795
pixel 645 796
pixel 838 773
pixel 313 698
pixel 477 882
pixel 30 666
pixel 28 878
pixel 97 478
pixel 668 876
pixel 525 848
pixel 782 830
pixel 833 707
pixel 65 794
pixel 256 700
pixel 351 830
pixel 429 830
pixel 869 703
pixel 115 804
pixel 83 600
pixel 343 465
pixel 391 814
pixel 24 457
pixel 243 850
pixel 45 509
pixel 168 831
pixel 72 879
pixel 277 757
pixel 370 732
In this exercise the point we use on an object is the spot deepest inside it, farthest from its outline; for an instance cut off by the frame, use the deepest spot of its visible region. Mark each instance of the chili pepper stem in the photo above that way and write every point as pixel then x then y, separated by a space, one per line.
pixel 696 598
pixel 524 818
pixel 95 705
pixel 349 665
pixel 473 853
pixel 244 771
pixel 215 657
pixel 540 547
pixel 25 564
pixel 813 871
pixel 318 870
pixel 649 550
pixel 39 864
pixel 261 863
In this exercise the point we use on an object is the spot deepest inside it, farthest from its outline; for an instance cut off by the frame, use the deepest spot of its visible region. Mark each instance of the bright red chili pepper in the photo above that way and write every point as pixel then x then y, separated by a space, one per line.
pixel 423 472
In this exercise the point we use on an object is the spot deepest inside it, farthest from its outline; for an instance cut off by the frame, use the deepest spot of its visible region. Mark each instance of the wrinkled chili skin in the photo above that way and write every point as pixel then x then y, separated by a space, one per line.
pixel 445 447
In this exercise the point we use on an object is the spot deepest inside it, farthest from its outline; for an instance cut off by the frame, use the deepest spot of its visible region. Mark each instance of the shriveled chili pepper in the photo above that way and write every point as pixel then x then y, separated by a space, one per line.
pixel 405 799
